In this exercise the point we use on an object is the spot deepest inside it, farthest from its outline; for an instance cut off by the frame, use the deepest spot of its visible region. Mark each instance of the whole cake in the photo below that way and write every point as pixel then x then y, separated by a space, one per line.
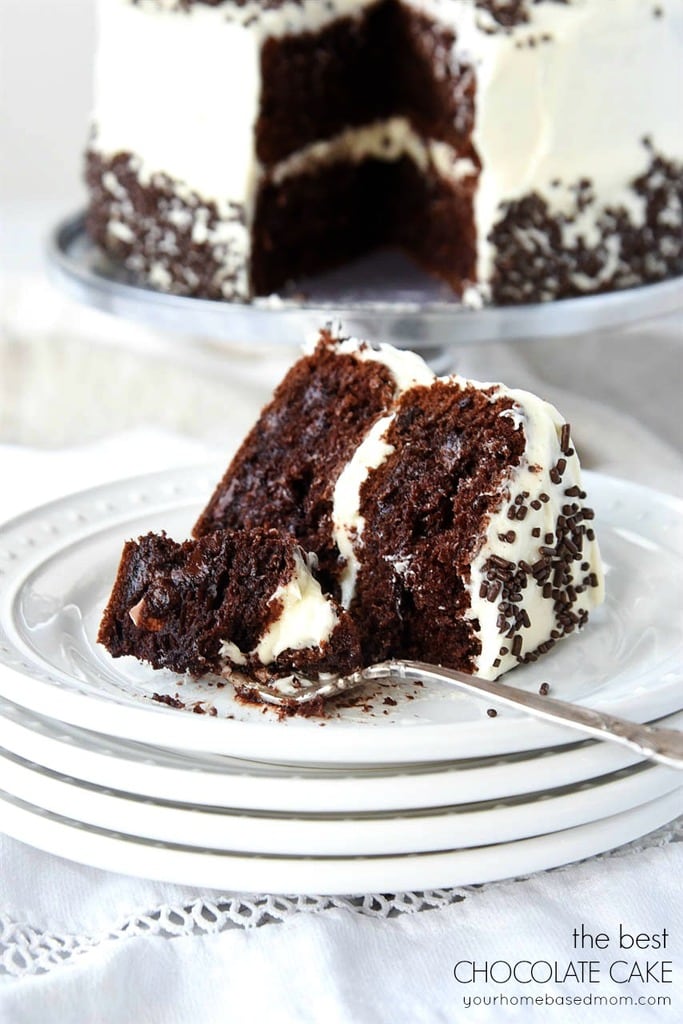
pixel 431 518
pixel 521 150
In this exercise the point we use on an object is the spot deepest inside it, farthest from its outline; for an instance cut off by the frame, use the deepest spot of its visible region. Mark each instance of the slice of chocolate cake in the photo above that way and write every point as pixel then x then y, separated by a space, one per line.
pixel 448 519
pixel 442 520
pixel 234 599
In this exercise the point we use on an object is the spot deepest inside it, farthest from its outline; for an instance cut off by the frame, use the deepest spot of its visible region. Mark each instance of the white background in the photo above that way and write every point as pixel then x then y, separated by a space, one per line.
pixel 45 93
pixel 46 53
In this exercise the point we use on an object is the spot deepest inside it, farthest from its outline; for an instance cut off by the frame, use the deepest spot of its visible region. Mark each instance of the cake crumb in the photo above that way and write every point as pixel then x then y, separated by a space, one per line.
pixel 171 702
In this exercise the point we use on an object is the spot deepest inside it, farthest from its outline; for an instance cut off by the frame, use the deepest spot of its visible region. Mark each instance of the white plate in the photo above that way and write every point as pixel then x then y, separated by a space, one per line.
pixel 384 295
pixel 237 870
pixel 347 835
pixel 222 781
pixel 57 564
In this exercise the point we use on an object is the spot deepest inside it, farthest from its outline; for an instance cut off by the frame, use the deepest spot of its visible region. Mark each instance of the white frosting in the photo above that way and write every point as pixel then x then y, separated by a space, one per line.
pixel 406 367
pixel 287 18
pixel 575 106
pixel 387 140
pixel 231 652
pixel 307 619
pixel 542 424
pixel 180 90
pixel 348 523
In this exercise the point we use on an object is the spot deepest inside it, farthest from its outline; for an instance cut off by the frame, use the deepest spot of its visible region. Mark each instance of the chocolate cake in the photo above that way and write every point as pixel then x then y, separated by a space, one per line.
pixel 246 598
pixel 443 520
pixel 521 150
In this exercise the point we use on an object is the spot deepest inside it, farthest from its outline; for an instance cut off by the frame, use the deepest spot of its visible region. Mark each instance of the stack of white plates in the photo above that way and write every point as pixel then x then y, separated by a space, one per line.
pixel 407 788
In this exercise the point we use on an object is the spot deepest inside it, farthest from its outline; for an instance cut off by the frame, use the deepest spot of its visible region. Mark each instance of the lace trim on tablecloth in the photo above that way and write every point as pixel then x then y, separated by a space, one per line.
pixel 25 950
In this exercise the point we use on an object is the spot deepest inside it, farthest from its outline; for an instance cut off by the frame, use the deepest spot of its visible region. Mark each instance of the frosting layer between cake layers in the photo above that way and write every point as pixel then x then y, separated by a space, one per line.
pixel 550 128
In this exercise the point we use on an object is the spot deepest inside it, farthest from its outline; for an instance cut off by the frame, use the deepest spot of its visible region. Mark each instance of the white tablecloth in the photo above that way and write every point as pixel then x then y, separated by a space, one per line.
pixel 82 945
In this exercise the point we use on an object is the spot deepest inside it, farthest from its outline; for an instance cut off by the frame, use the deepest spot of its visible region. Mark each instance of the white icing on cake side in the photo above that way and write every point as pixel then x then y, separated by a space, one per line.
pixel 577 88
pixel 542 425
pixel 180 90
pixel 286 18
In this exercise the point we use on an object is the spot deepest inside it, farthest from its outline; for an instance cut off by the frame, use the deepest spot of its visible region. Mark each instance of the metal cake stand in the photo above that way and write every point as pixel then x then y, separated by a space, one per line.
pixel 383 297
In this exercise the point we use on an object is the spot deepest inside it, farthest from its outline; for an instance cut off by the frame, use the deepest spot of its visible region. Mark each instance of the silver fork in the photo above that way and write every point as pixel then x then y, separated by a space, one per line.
pixel 653 743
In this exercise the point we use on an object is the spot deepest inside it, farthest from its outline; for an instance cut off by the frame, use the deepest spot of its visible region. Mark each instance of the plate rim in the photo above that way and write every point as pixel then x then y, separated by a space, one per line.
pixel 411 829
pixel 285 790
pixel 346 833
pixel 30 824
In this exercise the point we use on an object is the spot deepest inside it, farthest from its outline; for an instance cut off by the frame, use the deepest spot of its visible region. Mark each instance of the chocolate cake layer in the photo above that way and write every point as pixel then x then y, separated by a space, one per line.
pixel 285 471
pixel 433 221
pixel 428 504
pixel 203 605
pixel 435 91
pixel 313 221
pixel 387 61
pixel 316 84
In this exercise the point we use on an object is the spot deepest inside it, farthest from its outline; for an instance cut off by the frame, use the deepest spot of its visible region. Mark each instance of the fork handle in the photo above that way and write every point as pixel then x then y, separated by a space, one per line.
pixel 662 745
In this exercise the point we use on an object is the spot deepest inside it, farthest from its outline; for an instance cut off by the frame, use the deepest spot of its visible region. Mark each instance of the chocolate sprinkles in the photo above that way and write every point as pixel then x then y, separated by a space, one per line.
pixel 553 572
pixel 565 438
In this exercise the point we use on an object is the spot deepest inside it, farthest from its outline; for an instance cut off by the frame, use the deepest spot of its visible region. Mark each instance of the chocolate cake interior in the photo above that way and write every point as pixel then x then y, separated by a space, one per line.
pixel 316 221
pixel 388 62
pixel 455 438
pixel 285 470
pixel 176 604
pixel 316 84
